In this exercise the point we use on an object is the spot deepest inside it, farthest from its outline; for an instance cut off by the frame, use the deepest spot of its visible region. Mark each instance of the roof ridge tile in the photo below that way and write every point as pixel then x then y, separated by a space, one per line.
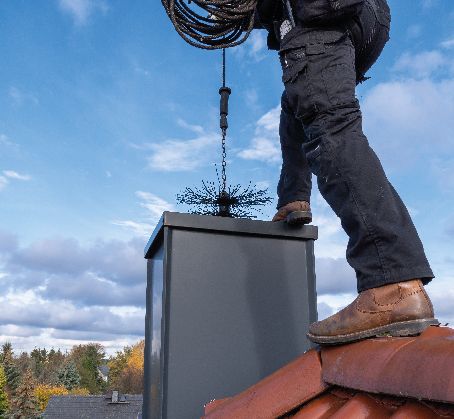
pixel 421 367
pixel 279 393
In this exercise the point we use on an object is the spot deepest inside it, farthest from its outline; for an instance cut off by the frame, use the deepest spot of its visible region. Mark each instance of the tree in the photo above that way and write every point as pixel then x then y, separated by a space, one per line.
pixel 43 393
pixel 24 404
pixel 38 365
pixel 68 376
pixel 11 371
pixel 55 362
pixel 46 365
pixel 128 369
pixel 23 362
pixel 7 351
pixel 117 364
pixel 3 395
pixel 88 358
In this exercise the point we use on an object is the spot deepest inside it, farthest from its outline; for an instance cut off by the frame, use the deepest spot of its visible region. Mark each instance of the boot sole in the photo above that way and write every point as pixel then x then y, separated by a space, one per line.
pixel 408 328
pixel 299 217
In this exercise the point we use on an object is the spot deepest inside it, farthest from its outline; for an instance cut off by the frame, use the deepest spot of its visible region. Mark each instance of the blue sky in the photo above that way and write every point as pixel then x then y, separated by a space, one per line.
pixel 106 114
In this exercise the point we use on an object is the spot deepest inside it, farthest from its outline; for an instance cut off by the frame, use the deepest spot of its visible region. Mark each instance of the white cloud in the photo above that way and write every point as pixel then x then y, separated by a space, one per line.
pixel 257 43
pixel 19 97
pixel 270 121
pixel 428 4
pixel 412 117
pixel 336 301
pixel 3 182
pixel 194 128
pixel 5 141
pixel 323 310
pixel 265 144
pixel 263 149
pixel 81 10
pixel 141 229
pixel 448 44
pixel 63 321
pixel 421 65
pixel 254 48
pixel 183 155
pixel 11 174
pixel 334 276
pixel 14 175
pixel 155 206
pixel 98 294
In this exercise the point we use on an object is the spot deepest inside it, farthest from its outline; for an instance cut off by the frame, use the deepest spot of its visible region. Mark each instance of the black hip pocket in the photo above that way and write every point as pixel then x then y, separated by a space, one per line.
pixel 293 63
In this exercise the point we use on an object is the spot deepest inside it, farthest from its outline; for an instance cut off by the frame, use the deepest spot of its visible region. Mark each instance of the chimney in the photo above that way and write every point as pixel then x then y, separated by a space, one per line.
pixel 115 396
pixel 229 301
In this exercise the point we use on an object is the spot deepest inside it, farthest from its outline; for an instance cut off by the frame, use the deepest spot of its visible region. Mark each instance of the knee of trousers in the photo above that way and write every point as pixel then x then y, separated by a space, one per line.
pixel 332 135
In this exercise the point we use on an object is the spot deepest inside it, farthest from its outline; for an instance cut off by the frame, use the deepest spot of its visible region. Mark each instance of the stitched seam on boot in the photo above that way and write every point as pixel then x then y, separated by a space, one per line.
pixel 390 304
pixel 374 312
pixel 402 297
pixel 368 311
pixel 412 293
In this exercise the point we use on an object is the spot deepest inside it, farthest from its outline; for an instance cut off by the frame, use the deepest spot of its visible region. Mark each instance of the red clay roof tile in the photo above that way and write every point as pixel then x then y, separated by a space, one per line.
pixel 395 368
pixel 321 407
pixel 362 406
pixel 281 392
pixel 414 410
pixel 420 367
pixel 214 404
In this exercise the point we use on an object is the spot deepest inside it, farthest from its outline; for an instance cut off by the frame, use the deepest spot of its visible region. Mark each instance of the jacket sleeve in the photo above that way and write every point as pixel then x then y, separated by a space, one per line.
pixel 266 12
pixel 325 11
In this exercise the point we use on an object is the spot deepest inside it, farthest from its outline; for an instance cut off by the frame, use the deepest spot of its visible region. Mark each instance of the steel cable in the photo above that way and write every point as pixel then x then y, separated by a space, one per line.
pixel 227 23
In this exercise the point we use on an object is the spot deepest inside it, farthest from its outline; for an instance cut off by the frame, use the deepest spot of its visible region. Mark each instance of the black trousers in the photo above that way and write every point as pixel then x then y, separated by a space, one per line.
pixel 321 133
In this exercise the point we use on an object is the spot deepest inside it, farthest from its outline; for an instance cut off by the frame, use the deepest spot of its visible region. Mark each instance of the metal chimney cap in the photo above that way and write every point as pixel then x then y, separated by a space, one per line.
pixel 115 394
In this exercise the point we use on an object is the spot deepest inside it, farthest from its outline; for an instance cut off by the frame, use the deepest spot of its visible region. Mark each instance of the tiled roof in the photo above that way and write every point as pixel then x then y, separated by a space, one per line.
pixel 92 407
pixel 396 378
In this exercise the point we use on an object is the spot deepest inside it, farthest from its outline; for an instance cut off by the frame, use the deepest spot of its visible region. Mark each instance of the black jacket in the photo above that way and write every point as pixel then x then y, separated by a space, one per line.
pixel 320 12
pixel 307 12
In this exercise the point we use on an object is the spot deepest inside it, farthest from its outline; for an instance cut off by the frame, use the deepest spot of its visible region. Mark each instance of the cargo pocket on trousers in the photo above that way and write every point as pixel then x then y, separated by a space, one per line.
pixel 293 63
pixel 340 83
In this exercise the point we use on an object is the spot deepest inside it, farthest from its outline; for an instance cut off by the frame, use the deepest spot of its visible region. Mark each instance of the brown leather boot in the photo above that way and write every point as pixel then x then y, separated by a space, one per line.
pixel 401 309
pixel 297 212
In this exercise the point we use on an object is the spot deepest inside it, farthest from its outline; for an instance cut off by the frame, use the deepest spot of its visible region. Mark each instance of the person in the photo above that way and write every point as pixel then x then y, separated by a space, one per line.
pixel 324 56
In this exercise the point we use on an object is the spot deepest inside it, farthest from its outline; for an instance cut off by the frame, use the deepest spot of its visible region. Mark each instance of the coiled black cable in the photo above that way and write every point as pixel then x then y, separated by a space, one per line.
pixel 228 22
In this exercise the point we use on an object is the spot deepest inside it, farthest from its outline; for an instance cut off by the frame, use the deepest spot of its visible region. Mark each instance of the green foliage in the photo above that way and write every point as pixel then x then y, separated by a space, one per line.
pixel 126 369
pixel 39 361
pixel 68 376
pixel 87 359
pixel 46 365
pixel 117 365
pixel 7 352
pixel 3 395
pixel 11 371
pixel 24 404
pixel 43 371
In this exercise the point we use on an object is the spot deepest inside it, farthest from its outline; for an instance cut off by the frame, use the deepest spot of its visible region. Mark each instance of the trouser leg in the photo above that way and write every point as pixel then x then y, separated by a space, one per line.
pixel 383 246
pixel 295 180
